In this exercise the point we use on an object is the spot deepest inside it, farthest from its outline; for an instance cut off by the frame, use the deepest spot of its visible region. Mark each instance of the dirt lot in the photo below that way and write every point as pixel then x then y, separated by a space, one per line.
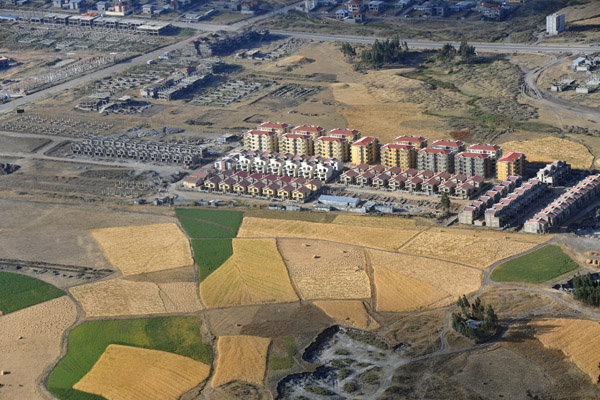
pixel 30 339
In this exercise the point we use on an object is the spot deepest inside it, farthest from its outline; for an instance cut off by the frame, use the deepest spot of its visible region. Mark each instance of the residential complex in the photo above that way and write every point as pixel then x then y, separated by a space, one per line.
pixel 453 145
pixel 398 155
pixel 553 174
pixel 277 127
pixel 472 164
pixel 365 150
pixel 332 147
pixel 351 135
pixel 418 142
pixel 436 160
pixel 295 143
pixel 312 130
pixel 492 150
pixel 511 163
pixel 261 140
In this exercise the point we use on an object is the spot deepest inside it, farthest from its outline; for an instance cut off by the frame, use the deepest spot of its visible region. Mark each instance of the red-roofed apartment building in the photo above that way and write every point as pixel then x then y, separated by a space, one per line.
pixel 332 147
pixel 295 143
pixel 261 140
pixel 472 164
pixel 511 163
pixel 278 127
pixel 312 130
pixel 418 142
pixel 351 135
pixel 365 150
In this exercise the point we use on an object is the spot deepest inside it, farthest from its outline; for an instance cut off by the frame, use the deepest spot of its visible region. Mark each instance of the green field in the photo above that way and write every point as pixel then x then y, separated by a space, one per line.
pixel 201 223
pixel 535 267
pixel 87 342
pixel 286 361
pixel 18 292
pixel 210 254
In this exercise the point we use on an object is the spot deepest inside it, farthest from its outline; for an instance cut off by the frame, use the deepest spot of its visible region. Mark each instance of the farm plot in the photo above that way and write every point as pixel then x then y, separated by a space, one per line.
pixel 41 328
pixel 241 358
pixel 324 270
pixel 579 339
pixel 348 312
pixel 549 149
pixel 477 249
pixel 88 341
pixel 146 248
pixel 405 283
pixel 255 274
pixel 120 297
pixel 381 238
pixel 125 372
pixel 375 222
pixel 18 292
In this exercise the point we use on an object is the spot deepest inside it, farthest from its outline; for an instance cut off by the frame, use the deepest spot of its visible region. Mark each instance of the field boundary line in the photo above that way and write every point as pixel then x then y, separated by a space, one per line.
pixel 289 274
pixel 412 238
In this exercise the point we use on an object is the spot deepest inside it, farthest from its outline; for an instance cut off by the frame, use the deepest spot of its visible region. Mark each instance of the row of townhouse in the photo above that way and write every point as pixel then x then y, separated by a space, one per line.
pixel 554 173
pixel 405 152
pixel 560 209
pixel 507 211
pixel 243 183
pixel 282 164
pixel 473 213
pixel 412 181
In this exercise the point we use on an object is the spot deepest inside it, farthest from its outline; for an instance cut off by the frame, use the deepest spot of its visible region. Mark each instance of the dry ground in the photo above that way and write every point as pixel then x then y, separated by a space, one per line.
pixel 241 358
pixel 348 312
pixel 254 274
pixel 41 328
pixel 579 339
pixel 381 238
pixel 120 297
pixel 375 222
pixel 128 373
pixel 147 248
pixel 550 148
pixel 324 270
pixel 582 10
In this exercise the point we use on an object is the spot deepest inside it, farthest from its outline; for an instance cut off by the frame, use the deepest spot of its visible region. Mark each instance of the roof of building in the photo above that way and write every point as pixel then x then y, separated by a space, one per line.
pixel 486 147
pixel 309 128
pixel 273 125
pixel 345 132
pixel 472 155
pixel 257 132
pixel 330 139
pixel 510 157
pixel 394 146
pixel 339 199
pixel 429 150
pixel 364 141
pixel 295 136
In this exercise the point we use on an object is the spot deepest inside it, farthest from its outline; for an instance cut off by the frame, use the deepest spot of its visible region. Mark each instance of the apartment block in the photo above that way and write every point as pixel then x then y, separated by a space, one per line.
pixel 398 155
pixel 294 143
pixel 472 164
pixel 278 127
pixel 511 163
pixel 454 145
pixel 351 135
pixel 332 147
pixel 365 150
pixel 313 130
pixel 493 150
pixel 436 160
pixel 265 141
pixel 418 142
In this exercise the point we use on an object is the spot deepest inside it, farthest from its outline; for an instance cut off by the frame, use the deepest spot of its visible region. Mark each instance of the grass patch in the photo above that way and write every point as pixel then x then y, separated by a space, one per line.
pixel 210 254
pixel 277 363
pixel 89 340
pixel 18 292
pixel 201 223
pixel 535 267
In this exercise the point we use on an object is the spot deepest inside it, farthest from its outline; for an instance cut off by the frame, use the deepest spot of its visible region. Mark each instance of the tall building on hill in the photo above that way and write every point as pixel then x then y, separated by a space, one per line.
pixel 351 135
pixel 555 24
pixel 313 130
pixel 398 155
pixel 277 127
pixel 332 147
pixel 418 142
pixel 295 143
pixel 511 163
pixel 365 150
pixel 261 140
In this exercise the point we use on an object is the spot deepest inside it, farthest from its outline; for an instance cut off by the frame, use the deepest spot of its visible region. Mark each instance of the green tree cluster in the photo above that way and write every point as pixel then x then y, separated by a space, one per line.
pixel 586 290
pixel 449 53
pixel 379 54
pixel 475 311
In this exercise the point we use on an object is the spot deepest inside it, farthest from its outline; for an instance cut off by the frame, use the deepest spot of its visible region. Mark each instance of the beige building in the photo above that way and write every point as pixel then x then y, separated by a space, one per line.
pixel 332 147
pixel 511 163
pixel 398 155
pixel 313 130
pixel 261 140
pixel 351 135
pixel 278 127
pixel 365 150
pixel 295 143
pixel 418 142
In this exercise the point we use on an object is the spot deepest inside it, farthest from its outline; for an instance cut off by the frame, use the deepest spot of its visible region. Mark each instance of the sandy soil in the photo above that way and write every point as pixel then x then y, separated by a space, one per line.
pixel 41 328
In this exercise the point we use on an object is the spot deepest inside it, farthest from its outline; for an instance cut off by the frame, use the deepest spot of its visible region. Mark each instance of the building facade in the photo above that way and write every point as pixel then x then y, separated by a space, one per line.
pixel 436 160
pixel 261 140
pixel 472 164
pixel 398 155
pixel 555 24
pixel 332 147
pixel 312 130
pixel 278 127
pixel 295 143
pixel 365 150
pixel 511 163
pixel 418 142
pixel 351 135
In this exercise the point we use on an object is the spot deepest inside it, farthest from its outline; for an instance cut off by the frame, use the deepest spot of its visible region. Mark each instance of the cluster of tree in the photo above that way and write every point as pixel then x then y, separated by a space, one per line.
pixel 445 202
pixel 449 53
pixel 483 321
pixel 586 290
pixel 379 54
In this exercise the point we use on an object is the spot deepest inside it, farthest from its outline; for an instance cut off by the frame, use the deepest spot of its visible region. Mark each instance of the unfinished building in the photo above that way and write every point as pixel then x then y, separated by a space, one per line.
pixel 223 43
pixel 173 88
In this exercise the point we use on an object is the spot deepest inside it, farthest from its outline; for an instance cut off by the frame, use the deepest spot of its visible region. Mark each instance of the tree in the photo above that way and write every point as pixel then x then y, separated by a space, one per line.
pixel 348 50
pixel 445 201
pixel 446 53
pixel 466 51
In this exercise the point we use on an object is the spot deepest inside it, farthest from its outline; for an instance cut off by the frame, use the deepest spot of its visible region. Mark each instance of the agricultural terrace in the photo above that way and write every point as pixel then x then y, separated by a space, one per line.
pixel 88 341
pixel 577 338
pixel 210 232
pixel 536 267
pixel 133 373
pixel 255 274
pixel 18 292
pixel 241 358
pixel 146 248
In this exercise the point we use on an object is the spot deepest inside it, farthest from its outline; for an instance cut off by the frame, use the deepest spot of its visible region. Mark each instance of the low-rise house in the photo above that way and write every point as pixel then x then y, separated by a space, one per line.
pixel 376 6
pixel 301 194
pixel 381 181
pixel 241 187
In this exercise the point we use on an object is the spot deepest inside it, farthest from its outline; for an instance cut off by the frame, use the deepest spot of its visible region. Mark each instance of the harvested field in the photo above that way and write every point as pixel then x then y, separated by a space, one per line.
pixel 382 238
pixel 146 248
pixel 255 274
pixel 375 222
pixel 438 282
pixel 41 327
pixel 241 358
pixel 579 339
pixel 324 270
pixel 128 373
pixel 549 149
pixel 477 249
pixel 120 297
pixel 348 312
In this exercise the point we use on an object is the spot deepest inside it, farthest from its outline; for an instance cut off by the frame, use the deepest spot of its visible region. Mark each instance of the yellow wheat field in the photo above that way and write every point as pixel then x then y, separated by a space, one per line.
pixel 449 280
pixel 145 248
pixel 129 373
pixel 375 222
pixel 348 312
pixel 549 149
pixel 254 274
pixel 324 270
pixel 120 297
pixel 381 238
pixel 241 358
pixel 468 247
pixel 577 338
